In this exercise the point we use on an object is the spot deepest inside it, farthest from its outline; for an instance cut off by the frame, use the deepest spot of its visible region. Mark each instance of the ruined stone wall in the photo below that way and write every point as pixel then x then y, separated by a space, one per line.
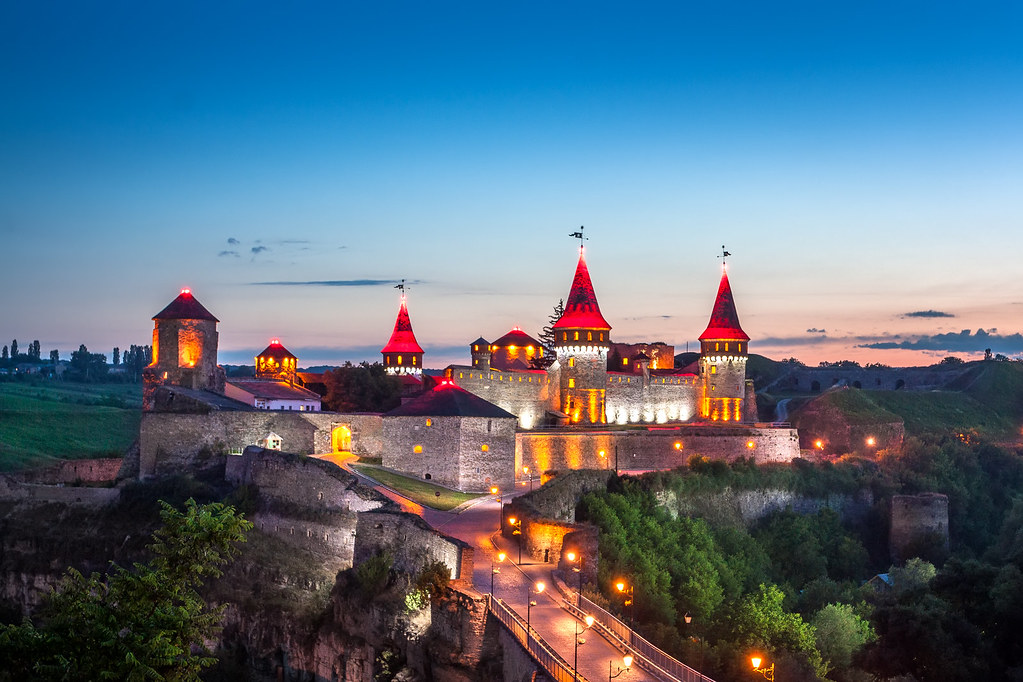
pixel 746 507
pixel 13 489
pixel 919 525
pixel 653 448
pixel 76 471
pixel 171 443
pixel 526 394
pixel 412 543
pixel 303 481
pixel 636 398
pixel 333 543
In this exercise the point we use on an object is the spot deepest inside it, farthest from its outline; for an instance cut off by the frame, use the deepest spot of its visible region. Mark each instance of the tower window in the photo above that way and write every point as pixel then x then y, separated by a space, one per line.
pixel 625 361
pixel 429 422
pixel 418 449
pixel 571 362
pixel 713 369
pixel 485 447
pixel 726 346
pixel 717 346
pixel 399 359
pixel 601 336
pixel 589 336
pixel 571 383
pixel 564 336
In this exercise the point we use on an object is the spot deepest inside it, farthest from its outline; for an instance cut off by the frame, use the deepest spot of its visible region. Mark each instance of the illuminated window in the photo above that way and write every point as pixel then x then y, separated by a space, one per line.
pixel 399 359
pixel 417 449
pixel 485 447
pixel 387 359
pixel 413 360
pixel 564 336
pixel 576 336
pixel 429 422
pixel 726 345
pixel 571 362
pixel 571 383
pixel 475 347
pixel 717 346
pixel 589 336
pixel 461 376
pixel 601 336
pixel 713 369
pixel 625 361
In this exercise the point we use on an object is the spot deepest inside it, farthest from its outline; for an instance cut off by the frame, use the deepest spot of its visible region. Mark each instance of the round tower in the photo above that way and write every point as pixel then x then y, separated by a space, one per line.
pixel 480 352
pixel 724 348
pixel 581 340
pixel 185 343
pixel 276 363
pixel 403 354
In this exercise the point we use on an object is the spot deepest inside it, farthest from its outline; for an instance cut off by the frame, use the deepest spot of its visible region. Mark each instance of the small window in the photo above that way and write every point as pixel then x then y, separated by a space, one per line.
pixel 589 336
pixel 399 359
pixel 717 346
pixel 460 375
pixel 625 361
pixel 576 336
pixel 713 369
pixel 489 425
pixel 413 360
pixel 429 422
pixel 571 362
pixel 571 383
pixel 485 448
pixel 418 449
pixel 601 336
pixel 564 337
pixel 726 346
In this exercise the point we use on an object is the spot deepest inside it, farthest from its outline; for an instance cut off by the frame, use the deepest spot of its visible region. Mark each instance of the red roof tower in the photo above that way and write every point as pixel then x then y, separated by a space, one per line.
pixel 403 354
pixel 276 362
pixel 724 321
pixel 581 309
pixel 724 348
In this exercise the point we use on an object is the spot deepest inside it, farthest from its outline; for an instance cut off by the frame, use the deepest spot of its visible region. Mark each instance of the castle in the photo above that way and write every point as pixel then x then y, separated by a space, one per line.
pixel 514 409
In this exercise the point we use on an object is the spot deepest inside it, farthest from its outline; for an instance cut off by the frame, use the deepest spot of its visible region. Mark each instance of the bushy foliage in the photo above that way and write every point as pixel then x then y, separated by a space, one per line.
pixel 361 388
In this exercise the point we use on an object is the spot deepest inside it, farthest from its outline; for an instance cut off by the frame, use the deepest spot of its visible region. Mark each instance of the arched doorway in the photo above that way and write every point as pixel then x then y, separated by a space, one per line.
pixel 341 438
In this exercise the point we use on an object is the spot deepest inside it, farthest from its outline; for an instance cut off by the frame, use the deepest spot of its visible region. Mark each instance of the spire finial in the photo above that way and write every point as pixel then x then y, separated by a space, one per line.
pixel 724 255
pixel 579 235
pixel 401 286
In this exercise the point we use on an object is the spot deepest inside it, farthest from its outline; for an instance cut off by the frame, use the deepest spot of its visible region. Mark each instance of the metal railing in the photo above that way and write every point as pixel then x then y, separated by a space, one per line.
pixel 541 652
pixel 639 646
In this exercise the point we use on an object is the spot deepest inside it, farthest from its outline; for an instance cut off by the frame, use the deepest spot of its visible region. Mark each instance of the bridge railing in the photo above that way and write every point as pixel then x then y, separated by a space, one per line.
pixel 639 646
pixel 542 653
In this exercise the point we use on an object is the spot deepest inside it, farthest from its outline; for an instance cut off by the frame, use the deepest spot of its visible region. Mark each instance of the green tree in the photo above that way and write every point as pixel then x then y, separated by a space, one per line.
pixel 840 633
pixel 14 350
pixel 760 620
pixel 55 356
pixel 361 388
pixel 546 336
pixel 148 623
pixel 4 354
pixel 117 356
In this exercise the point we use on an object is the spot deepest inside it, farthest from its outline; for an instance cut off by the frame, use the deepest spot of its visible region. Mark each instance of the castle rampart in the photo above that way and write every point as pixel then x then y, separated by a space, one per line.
pixel 412 543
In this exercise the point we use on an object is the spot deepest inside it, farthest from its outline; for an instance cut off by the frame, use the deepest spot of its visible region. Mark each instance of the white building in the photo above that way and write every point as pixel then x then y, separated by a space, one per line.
pixel 272 395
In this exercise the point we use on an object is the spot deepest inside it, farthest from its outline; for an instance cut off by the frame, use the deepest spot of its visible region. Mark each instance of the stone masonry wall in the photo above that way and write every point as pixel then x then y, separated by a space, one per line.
pixel 919 523
pixel 486 453
pixel 303 481
pixel 412 543
pixel 526 394
pixel 437 445
pixel 653 448
pixel 333 543
pixel 77 471
pixel 170 442
pixel 635 398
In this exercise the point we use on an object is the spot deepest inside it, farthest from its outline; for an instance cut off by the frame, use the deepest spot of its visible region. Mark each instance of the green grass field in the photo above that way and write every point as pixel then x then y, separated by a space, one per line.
pixel 417 490
pixel 41 421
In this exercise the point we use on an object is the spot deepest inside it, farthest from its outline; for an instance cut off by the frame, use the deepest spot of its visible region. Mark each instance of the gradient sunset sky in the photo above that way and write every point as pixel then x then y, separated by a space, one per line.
pixel 290 162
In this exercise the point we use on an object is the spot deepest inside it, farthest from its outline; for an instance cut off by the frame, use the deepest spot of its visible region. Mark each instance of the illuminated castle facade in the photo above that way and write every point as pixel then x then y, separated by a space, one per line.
pixel 641 385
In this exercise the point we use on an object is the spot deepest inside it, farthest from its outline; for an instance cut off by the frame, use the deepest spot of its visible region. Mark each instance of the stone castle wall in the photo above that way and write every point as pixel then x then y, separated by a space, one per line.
pixel 411 542
pixel 526 394
pixel 333 543
pixel 71 471
pixel 172 442
pixel 634 398
pixel 652 448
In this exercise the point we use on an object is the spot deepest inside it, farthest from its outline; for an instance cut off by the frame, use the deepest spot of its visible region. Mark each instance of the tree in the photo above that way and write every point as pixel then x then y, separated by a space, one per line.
pixel 5 354
pixel 361 388
pixel 143 624
pixel 86 366
pixel 761 620
pixel 117 356
pixel 840 634
pixel 547 334
pixel 14 350
pixel 55 356
pixel 33 351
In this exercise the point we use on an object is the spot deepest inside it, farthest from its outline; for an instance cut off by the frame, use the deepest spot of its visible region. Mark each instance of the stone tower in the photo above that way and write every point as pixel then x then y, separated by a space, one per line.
pixel 276 363
pixel 184 349
pixel 582 340
pixel 403 354
pixel 724 348
pixel 480 352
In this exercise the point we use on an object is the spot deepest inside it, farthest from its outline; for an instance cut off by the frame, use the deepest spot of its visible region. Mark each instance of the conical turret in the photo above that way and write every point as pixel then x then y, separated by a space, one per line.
pixel 403 354
pixel 724 348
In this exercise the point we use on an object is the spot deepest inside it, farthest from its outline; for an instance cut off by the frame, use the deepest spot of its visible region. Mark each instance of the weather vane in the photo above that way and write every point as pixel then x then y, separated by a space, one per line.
pixel 401 286
pixel 579 235
pixel 723 256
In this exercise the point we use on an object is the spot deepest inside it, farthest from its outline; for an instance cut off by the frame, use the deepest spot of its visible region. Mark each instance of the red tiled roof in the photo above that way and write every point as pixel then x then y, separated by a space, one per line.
pixel 517 337
pixel 402 339
pixel 448 400
pixel 185 307
pixel 724 321
pixel 581 310
pixel 276 350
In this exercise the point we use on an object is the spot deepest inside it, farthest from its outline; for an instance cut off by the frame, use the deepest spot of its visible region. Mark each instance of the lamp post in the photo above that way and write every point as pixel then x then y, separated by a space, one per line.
pixel 767 672
pixel 494 570
pixel 626 659
pixel 517 525
pixel 589 623
pixel 616 460
pixel 529 472
pixel 628 599
pixel 572 556
pixel 539 587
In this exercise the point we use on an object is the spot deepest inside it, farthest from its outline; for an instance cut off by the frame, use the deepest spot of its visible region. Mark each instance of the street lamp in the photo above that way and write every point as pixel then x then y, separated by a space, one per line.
pixel 528 472
pixel 627 660
pixel 768 673
pixel 494 570
pixel 539 587
pixel 589 624
pixel 517 525
pixel 572 556
pixel 628 599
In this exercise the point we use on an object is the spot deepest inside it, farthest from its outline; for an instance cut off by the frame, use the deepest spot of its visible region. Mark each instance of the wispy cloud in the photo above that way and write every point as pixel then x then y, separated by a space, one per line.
pixel 928 313
pixel 814 330
pixel 229 253
pixel 232 241
pixel 334 283
pixel 258 249
pixel 964 341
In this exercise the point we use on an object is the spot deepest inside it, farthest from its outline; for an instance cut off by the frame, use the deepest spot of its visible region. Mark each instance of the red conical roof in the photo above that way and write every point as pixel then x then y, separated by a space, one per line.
pixel 581 309
pixel 724 321
pixel 276 350
pixel 402 339
pixel 185 307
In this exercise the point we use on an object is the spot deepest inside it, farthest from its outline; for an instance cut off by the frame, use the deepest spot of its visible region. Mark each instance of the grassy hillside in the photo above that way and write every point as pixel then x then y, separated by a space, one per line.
pixel 43 421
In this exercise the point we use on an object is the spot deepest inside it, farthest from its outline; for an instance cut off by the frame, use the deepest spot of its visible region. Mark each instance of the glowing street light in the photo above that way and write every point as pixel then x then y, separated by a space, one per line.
pixel 626 659
pixel 538 587
pixel 628 598
pixel 494 570
pixel 871 441
pixel 589 624
pixel 571 556
pixel 767 672
pixel 517 525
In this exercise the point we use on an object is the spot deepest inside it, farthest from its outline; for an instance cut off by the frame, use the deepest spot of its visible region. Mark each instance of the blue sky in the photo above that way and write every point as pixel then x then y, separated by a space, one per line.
pixel 861 161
